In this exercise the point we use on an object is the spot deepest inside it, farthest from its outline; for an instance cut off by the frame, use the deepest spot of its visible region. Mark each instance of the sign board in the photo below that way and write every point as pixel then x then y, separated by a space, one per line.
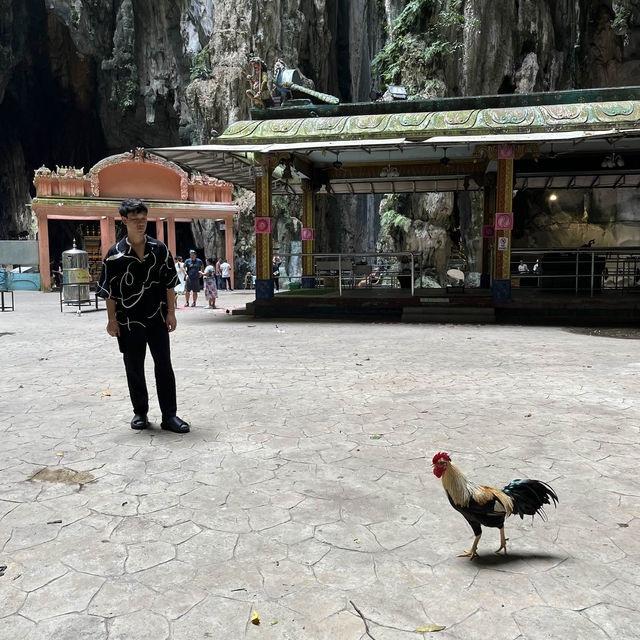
pixel 263 225
pixel 506 152
pixel 19 252
pixel 75 276
pixel 504 221
pixel 503 243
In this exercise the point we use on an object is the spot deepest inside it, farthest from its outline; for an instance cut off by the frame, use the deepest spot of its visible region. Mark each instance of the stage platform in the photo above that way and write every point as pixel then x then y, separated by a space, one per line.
pixel 456 305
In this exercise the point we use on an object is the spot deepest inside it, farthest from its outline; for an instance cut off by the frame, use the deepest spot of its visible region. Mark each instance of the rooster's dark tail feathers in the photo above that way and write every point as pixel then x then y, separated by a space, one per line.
pixel 529 496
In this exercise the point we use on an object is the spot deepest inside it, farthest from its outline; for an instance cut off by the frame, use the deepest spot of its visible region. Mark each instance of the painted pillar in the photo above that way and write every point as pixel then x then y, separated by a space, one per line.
pixel 171 236
pixel 308 235
pixel 160 230
pixel 228 247
pixel 105 242
pixel 111 223
pixel 488 230
pixel 107 234
pixel 501 288
pixel 43 252
pixel 264 274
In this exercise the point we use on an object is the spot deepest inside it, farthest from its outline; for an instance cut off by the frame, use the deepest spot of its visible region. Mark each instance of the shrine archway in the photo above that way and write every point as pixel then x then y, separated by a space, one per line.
pixel 171 194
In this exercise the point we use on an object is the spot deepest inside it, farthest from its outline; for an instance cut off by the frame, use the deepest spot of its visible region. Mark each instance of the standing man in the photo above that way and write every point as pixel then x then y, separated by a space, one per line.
pixel 137 281
pixel 225 269
pixel 218 273
pixel 193 266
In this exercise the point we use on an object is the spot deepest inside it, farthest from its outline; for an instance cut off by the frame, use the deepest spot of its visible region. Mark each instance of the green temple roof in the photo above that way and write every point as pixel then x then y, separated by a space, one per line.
pixel 346 137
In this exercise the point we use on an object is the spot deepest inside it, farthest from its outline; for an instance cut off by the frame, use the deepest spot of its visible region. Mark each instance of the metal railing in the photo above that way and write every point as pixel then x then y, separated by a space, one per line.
pixel 581 271
pixel 359 270
pixel 584 270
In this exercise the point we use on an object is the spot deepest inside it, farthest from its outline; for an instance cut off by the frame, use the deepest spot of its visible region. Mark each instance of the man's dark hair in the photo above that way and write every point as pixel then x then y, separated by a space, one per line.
pixel 132 205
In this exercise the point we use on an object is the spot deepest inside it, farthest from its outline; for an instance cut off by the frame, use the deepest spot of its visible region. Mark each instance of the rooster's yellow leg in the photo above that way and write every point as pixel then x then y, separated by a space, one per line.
pixel 471 554
pixel 503 542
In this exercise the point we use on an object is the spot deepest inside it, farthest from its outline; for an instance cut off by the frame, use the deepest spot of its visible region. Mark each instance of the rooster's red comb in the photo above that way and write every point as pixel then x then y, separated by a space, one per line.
pixel 441 456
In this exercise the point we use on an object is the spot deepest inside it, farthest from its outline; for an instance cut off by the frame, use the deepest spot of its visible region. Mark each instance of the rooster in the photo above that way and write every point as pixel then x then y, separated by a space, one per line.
pixel 489 506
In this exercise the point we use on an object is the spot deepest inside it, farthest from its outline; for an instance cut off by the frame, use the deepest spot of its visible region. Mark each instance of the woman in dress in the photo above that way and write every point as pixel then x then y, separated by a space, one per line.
pixel 210 286
pixel 180 271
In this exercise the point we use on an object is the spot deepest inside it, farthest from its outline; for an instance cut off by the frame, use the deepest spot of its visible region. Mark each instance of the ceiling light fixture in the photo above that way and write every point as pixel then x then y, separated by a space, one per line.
pixel 389 171
pixel 612 160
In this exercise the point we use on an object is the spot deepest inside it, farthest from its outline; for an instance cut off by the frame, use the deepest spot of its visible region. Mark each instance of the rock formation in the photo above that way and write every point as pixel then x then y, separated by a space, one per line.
pixel 505 47
pixel 83 79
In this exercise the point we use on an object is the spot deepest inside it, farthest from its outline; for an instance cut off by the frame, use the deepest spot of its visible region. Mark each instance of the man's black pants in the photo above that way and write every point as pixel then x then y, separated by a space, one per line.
pixel 133 345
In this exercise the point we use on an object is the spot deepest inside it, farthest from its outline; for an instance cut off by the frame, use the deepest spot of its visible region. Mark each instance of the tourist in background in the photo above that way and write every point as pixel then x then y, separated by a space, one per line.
pixel 275 268
pixel 181 273
pixel 210 284
pixel 225 269
pixel 218 273
pixel 193 267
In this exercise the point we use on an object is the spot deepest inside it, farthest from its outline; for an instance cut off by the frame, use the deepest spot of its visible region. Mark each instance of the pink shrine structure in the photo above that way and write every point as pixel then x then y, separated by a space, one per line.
pixel 169 192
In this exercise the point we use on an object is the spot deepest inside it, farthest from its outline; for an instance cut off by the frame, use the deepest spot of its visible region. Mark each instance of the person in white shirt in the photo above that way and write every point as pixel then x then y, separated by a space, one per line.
pixel 180 270
pixel 522 267
pixel 225 270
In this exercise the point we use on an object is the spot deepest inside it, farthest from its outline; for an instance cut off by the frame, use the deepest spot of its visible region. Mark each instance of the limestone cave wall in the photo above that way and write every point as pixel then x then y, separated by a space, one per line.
pixel 508 47
pixel 82 79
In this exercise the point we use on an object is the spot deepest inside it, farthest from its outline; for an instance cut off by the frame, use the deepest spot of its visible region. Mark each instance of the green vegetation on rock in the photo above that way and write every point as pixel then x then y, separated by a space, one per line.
pixel 422 36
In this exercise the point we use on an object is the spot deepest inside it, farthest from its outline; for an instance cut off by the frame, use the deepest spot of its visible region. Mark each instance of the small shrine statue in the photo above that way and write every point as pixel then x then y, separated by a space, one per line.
pixel 259 82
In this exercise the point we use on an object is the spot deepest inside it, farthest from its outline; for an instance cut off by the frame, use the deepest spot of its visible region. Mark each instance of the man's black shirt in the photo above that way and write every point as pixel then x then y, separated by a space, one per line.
pixel 139 287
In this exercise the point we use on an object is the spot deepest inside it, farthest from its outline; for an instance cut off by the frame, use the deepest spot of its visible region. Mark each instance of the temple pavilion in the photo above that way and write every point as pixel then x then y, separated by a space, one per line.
pixel 492 144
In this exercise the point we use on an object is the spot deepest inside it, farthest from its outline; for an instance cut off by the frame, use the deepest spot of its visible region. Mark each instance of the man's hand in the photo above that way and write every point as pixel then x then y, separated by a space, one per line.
pixel 172 323
pixel 113 328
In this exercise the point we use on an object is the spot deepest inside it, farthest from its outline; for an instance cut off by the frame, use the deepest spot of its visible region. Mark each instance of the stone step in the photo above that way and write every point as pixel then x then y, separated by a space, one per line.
pixel 449 314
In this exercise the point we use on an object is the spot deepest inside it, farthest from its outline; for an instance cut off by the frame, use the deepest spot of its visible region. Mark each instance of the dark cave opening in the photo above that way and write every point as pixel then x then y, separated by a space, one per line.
pixel 50 114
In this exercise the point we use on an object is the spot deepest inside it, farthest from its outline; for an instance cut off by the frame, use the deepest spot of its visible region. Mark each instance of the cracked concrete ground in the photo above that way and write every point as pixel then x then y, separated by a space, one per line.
pixel 305 483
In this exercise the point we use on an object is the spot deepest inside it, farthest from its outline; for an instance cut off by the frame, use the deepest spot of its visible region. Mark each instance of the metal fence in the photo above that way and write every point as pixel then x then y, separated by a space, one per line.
pixel 584 270
pixel 356 270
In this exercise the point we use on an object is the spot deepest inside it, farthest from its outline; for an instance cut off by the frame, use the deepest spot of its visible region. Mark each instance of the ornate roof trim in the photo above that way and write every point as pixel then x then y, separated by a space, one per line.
pixel 595 116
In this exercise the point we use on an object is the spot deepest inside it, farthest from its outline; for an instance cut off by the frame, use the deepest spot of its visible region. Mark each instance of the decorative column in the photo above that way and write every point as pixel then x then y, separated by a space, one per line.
pixel 105 243
pixel 501 288
pixel 171 236
pixel 488 230
pixel 263 223
pixel 111 224
pixel 228 247
pixel 160 229
pixel 107 234
pixel 308 235
pixel 43 252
